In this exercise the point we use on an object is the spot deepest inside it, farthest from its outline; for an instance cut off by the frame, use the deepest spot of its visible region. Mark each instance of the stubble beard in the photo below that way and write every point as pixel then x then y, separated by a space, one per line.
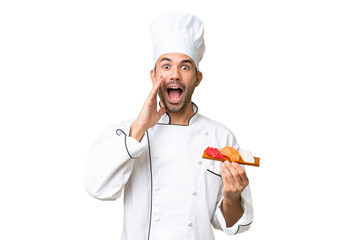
pixel 177 107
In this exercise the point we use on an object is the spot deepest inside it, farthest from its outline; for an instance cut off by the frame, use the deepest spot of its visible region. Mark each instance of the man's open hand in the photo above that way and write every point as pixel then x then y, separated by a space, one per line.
pixel 149 115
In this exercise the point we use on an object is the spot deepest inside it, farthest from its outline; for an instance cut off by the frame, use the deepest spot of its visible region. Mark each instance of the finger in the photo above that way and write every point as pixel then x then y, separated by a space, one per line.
pixel 161 111
pixel 238 181
pixel 234 172
pixel 242 173
pixel 155 88
pixel 227 174
pixel 223 174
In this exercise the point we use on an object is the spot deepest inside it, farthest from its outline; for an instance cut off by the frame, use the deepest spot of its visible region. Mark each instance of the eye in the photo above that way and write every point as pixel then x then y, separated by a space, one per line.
pixel 166 66
pixel 184 67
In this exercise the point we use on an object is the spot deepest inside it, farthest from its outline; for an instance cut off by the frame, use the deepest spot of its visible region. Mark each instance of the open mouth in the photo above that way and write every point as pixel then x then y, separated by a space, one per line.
pixel 174 94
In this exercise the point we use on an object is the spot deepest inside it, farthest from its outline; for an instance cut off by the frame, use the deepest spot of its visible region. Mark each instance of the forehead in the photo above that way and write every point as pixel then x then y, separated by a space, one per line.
pixel 174 57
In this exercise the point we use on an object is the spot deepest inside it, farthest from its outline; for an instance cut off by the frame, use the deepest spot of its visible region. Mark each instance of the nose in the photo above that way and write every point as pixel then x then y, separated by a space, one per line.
pixel 175 74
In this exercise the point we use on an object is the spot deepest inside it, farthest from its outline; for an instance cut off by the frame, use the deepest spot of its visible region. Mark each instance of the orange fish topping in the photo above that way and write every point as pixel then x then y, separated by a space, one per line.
pixel 231 153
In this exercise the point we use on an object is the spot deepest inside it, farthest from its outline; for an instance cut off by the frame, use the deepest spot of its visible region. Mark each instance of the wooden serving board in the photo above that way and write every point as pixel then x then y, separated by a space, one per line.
pixel 256 164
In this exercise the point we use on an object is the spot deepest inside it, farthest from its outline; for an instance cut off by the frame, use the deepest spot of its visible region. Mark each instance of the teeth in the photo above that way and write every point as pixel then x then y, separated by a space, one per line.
pixel 174 88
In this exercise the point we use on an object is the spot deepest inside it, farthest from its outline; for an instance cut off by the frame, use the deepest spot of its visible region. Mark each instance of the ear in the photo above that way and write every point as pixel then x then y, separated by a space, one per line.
pixel 199 77
pixel 152 76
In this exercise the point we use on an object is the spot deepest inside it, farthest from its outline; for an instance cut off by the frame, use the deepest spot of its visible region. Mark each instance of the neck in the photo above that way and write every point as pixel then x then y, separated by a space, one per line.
pixel 182 117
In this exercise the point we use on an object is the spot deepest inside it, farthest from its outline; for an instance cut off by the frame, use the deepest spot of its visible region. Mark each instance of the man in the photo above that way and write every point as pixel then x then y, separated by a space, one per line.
pixel 170 192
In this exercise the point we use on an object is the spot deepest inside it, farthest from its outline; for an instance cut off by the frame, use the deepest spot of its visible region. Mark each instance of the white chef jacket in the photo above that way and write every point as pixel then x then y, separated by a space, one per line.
pixel 170 191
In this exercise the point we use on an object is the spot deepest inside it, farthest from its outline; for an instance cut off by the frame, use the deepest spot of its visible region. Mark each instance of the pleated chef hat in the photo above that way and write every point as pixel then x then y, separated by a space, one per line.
pixel 178 32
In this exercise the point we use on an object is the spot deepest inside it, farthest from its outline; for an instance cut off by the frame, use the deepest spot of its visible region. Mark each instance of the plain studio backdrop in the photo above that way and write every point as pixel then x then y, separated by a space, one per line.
pixel 282 75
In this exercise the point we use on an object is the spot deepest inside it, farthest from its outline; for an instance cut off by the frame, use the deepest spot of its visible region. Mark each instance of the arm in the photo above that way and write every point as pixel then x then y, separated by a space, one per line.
pixel 235 181
pixel 234 211
pixel 111 160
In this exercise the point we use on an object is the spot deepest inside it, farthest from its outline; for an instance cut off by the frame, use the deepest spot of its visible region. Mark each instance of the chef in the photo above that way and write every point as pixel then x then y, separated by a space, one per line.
pixel 155 160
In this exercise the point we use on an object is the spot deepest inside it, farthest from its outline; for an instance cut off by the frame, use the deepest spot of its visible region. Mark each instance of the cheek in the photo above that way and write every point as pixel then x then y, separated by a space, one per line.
pixel 164 74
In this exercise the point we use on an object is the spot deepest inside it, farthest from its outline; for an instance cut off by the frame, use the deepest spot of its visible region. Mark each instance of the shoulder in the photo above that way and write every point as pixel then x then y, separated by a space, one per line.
pixel 120 127
pixel 125 123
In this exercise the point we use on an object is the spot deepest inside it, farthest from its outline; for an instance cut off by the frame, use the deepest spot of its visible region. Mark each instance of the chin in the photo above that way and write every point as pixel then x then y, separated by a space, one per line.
pixel 171 107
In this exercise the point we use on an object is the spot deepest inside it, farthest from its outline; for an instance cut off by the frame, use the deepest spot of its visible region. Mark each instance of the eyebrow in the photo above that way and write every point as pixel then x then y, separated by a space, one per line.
pixel 183 61
pixel 165 59
pixel 186 61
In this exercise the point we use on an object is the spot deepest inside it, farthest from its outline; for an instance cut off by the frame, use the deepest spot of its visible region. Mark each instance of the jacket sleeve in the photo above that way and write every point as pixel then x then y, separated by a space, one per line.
pixel 244 223
pixel 110 162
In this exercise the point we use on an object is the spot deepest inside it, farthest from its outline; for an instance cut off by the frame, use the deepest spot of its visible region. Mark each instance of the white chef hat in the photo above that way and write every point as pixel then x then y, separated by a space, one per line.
pixel 178 32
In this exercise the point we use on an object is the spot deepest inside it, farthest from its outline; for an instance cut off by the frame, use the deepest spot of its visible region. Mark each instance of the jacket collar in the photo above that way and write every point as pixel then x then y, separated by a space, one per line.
pixel 165 118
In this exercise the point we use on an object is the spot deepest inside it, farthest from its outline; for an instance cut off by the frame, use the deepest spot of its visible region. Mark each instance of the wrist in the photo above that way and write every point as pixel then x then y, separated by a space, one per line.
pixel 232 210
pixel 231 202
pixel 137 131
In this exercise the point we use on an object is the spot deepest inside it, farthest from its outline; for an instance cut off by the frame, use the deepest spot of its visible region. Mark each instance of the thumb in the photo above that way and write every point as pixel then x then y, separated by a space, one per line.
pixel 161 111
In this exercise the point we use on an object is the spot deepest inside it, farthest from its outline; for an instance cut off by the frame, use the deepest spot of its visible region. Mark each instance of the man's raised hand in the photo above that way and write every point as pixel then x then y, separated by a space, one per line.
pixel 149 115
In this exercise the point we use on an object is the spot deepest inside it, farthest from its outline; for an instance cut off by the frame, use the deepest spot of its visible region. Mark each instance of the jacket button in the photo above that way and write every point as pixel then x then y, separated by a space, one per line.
pixel 157 188
pixel 157 219
pixel 206 133
pixel 194 193
pixel 190 224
